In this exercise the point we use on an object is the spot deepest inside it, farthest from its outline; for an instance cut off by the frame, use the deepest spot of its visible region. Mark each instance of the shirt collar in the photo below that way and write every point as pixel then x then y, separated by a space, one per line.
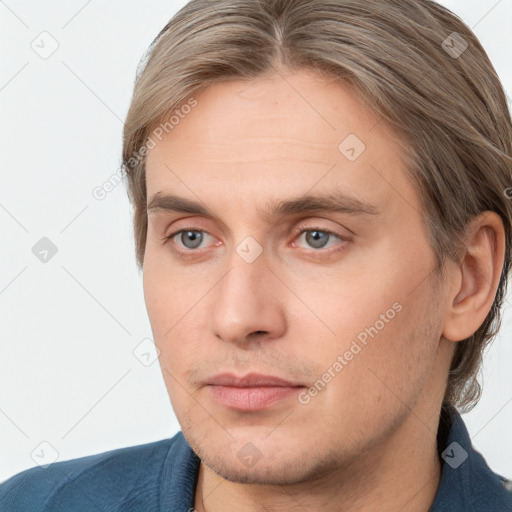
pixel 467 483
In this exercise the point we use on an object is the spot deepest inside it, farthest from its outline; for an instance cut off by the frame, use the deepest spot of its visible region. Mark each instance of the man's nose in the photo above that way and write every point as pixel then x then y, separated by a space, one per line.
pixel 248 303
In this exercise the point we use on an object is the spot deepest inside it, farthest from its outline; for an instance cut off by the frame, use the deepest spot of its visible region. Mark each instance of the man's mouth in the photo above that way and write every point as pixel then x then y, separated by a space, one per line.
pixel 251 392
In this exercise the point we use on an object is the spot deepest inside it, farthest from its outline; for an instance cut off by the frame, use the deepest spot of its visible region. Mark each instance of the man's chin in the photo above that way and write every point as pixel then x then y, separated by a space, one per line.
pixel 281 474
pixel 265 464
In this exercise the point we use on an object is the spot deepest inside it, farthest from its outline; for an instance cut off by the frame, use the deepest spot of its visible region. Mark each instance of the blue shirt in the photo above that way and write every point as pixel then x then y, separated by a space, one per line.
pixel 161 477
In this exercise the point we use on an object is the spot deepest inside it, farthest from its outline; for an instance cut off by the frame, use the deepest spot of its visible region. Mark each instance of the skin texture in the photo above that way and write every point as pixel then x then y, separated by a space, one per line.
pixel 367 441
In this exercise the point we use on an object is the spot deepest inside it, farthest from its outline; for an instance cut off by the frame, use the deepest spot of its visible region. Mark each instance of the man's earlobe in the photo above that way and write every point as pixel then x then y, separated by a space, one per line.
pixel 480 271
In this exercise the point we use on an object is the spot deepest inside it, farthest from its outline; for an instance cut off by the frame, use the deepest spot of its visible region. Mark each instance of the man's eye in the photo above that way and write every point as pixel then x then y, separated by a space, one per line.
pixel 315 238
pixel 318 238
pixel 190 239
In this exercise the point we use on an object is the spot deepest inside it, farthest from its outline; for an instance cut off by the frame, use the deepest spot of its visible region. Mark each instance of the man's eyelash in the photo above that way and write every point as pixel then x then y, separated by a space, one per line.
pixel 326 231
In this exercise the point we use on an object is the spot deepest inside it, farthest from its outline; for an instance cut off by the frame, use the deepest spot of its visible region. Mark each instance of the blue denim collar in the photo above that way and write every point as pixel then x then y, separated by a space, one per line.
pixel 467 483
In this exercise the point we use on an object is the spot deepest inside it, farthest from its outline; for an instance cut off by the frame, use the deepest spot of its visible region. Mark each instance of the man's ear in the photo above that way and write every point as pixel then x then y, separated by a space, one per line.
pixel 477 277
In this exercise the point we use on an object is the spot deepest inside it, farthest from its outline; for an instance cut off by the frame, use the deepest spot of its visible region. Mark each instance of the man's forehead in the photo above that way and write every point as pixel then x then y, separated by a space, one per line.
pixel 301 97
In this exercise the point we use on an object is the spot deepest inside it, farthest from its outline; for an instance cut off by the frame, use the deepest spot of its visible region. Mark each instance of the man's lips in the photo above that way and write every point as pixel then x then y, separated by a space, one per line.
pixel 250 392
pixel 249 380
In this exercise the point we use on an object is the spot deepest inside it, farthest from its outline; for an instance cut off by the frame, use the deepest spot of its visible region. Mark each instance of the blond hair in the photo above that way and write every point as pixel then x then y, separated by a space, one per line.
pixel 413 61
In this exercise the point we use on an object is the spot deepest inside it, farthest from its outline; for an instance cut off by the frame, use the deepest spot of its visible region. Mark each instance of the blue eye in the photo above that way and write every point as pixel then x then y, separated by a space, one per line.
pixel 318 238
pixel 195 237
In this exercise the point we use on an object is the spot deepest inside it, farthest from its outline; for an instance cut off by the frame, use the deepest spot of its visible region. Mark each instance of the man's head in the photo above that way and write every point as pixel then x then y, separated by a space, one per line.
pixel 254 111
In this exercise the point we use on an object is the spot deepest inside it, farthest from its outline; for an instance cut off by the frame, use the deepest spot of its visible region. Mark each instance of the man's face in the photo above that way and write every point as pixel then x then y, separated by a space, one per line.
pixel 352 320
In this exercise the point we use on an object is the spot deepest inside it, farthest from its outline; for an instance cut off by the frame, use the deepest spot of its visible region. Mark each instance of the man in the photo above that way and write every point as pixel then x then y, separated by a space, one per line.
pixel 321 218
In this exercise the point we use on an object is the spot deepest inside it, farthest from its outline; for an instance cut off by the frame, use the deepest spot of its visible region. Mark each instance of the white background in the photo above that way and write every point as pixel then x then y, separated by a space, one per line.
pixel 68 375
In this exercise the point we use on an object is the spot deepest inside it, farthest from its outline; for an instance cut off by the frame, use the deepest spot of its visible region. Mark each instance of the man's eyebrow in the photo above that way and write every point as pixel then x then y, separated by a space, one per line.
pixel 169 203
pixel 333 202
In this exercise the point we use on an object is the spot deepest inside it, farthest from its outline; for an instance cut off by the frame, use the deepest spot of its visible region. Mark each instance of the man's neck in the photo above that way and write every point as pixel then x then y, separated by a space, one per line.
pixel 401 474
